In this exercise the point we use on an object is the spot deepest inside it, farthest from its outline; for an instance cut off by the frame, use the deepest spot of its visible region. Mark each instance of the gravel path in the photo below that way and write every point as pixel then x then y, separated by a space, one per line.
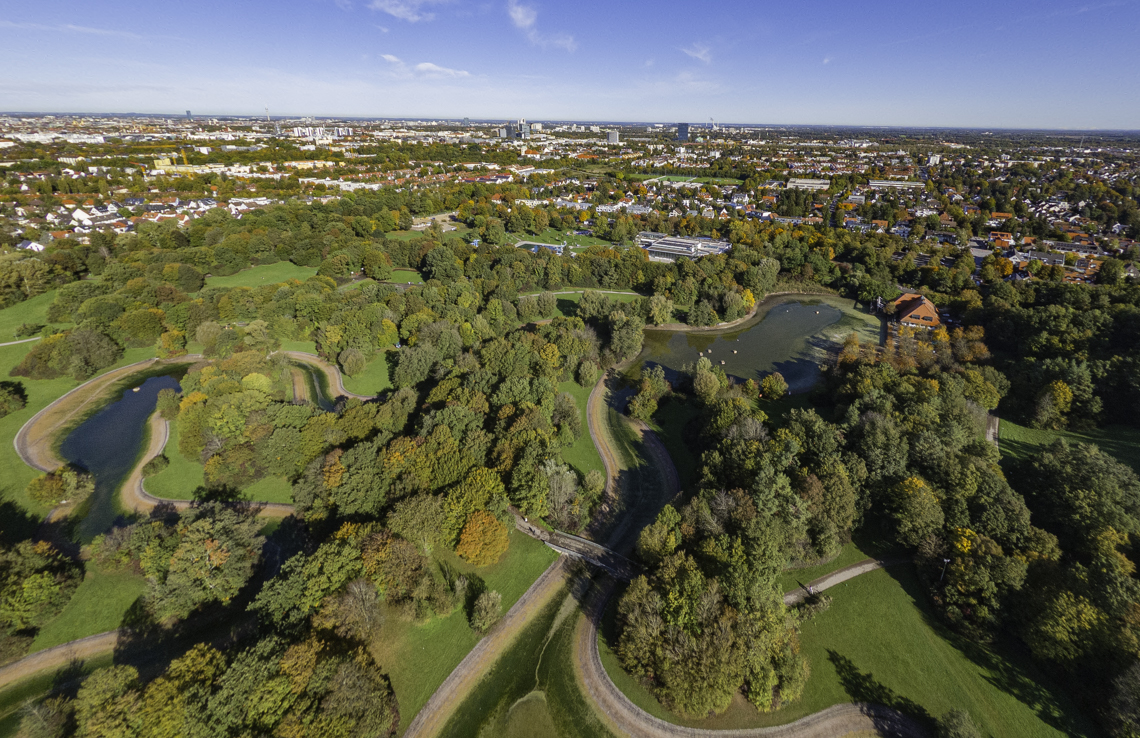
pixel 58 656
pixel 433 716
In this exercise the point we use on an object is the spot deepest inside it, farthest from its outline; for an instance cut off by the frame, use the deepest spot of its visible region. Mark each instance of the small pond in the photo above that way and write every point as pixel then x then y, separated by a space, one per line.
pixel 107 444
pixel 791 335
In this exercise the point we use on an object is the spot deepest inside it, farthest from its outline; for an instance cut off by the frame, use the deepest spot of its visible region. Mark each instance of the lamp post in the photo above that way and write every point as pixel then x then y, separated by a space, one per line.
pixel 945 563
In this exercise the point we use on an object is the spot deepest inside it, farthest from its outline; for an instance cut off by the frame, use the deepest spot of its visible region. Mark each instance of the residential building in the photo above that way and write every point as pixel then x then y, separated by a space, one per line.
pixel 916 311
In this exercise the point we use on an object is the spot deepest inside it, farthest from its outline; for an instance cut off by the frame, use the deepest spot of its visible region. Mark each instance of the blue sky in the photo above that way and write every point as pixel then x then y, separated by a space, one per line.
pixel 983 64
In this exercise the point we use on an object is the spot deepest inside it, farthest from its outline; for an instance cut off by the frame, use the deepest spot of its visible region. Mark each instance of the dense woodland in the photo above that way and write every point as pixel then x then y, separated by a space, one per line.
pixel 475 425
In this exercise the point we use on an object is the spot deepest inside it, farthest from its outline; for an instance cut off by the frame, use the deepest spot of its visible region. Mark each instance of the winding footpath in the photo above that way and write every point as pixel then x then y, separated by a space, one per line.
pixel 620 713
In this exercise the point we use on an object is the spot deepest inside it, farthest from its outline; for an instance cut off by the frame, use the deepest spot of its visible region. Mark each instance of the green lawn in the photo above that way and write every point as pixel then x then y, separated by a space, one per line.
pixel 567 304
pixel 373 380
pixel 418 658
pixel 97 606
pixel 356 285
pixel 880 642
pixel 404 276
pixel 583 456
pixel 793 578
pixel 28 311
pixel 530 690
pixel 1021 443
pixel 262 275
pixel 179 480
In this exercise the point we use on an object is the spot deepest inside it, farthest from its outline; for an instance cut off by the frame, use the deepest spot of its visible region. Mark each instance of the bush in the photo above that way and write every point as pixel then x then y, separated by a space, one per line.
pixel 958 724
pixel 66 484
pixel 483 540
pixel 352 361
pixel 773 386
pixel 28 330
pixel 155 465
pixel 12 397
pixel 488 608
pixel 587 373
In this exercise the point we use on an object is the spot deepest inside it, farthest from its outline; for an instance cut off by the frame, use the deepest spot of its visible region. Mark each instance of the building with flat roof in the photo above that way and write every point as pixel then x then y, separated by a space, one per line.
pixel 808 184
pixel 670 248
pixel 888 184
pixel 682 131
pixel 612 137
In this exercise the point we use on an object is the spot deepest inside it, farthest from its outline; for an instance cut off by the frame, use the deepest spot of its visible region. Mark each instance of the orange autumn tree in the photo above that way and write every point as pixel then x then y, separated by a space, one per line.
pixel 483 540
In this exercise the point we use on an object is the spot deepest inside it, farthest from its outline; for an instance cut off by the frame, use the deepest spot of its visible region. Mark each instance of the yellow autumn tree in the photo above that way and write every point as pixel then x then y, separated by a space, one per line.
pixel 484 539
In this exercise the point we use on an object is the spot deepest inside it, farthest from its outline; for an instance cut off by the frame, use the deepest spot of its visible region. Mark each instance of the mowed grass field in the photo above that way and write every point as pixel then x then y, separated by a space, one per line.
pixel 880 642
pixel 33 311
pixel 373 380
pixel 406 276
pixel 1122 442
pixel 97 606
pixel 260 276
pixel 418 657
pixel 582 456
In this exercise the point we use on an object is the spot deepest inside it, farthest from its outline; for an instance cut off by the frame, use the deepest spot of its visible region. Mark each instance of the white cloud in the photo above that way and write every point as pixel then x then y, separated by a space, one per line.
pixel 382 29
pixel 827 60
pixel 525 18
pixel 409 10
pixel 434 70
pixel 700 52
pixel 426 70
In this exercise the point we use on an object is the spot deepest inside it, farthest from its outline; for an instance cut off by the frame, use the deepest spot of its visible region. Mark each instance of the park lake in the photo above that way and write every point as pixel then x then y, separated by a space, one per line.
pixel 789 334
pixel 107 444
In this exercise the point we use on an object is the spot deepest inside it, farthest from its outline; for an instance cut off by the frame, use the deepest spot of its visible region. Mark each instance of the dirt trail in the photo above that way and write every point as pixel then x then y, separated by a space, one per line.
pixel 58 656
pixel 35 440
pixel 435 713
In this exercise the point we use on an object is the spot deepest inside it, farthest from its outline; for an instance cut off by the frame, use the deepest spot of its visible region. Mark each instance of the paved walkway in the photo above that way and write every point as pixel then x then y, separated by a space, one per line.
pixel 628 719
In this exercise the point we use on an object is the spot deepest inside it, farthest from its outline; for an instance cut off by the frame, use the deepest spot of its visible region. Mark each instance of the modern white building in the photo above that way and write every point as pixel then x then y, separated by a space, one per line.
pixel 670 248
pixel 808 184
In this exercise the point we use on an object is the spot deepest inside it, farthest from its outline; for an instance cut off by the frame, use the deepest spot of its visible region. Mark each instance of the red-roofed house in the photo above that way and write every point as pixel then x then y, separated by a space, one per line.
pixel 917 311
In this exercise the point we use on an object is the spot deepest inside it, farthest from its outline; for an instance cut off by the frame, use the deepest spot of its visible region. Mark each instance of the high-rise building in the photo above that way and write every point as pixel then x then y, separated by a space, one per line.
pixel 612 137
pixel 682 131
pixel 188 116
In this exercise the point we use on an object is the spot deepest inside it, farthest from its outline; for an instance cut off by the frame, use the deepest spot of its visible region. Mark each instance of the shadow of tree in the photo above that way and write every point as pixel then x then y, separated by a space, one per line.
pixel 16 524
pixel 1008 666
pixel 864 688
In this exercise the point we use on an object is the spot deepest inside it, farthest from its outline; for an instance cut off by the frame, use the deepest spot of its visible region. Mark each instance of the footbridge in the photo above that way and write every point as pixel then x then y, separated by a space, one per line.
pixel 617 565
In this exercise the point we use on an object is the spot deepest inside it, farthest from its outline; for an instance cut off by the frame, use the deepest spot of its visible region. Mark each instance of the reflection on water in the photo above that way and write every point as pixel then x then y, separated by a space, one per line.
pixel 107 445
pixel 792 338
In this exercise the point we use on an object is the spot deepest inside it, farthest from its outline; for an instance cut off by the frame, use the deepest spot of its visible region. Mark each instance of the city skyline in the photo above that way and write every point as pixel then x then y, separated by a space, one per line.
pixel 971 66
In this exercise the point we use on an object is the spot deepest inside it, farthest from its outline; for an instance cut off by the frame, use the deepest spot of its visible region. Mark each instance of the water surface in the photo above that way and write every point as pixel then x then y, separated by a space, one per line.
pixel 107 444
pixel 792 338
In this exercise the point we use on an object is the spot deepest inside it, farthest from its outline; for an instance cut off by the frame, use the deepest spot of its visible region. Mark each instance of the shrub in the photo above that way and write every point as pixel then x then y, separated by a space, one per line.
pixel 155 465
pixel 488 608
pixel 12 397
pixel 352 361
pixel 773 386
pixel 27 330
pixel 587 373
pixel 66 484
pixel 958 724
pixel 483 540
